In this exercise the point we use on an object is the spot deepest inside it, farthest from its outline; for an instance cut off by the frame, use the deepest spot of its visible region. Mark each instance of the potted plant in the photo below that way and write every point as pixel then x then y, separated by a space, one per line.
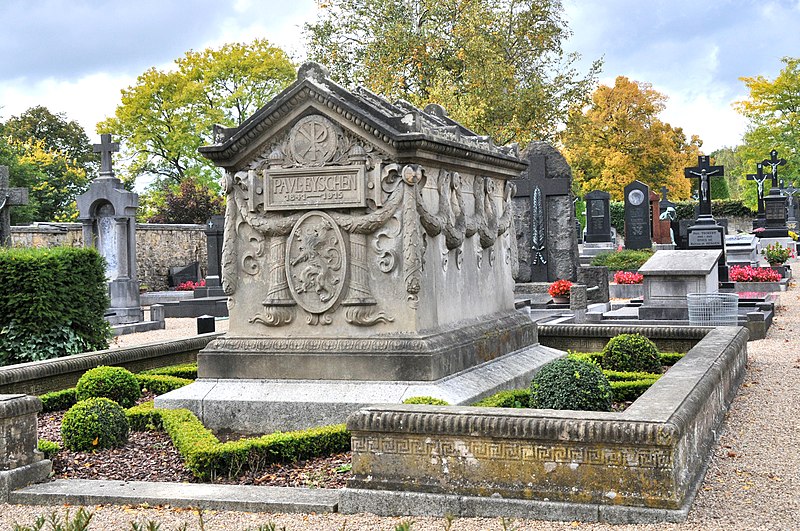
pixel 559 290
pixel 776 254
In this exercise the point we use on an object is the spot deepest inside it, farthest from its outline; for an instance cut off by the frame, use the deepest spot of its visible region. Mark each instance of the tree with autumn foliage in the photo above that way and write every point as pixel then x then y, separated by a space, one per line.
pixel 773 112
pixel 619 138
pixel 497 66
pixel 189 202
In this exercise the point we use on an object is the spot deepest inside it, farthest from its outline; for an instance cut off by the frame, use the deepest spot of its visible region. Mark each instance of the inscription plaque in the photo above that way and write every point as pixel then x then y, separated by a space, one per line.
pixel 705 238
pixel 775 211
pixel 304 188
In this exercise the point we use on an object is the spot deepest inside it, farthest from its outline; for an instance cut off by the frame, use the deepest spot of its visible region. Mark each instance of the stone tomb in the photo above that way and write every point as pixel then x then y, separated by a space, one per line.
pixel 670 275
pixel 368 255
pixel 742 250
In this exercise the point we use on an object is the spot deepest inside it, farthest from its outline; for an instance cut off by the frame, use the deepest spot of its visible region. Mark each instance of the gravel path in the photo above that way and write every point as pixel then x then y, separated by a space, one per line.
pixel 753 481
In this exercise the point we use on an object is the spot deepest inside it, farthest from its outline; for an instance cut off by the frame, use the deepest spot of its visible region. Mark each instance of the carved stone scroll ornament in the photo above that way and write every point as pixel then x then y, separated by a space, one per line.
pixel 413 243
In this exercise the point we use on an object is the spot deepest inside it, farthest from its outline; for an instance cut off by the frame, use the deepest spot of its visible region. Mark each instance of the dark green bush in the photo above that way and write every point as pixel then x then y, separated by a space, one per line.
pixel 94 423
pixel 625 260
pixel 426 400
pixel 116 383
pixel 631 352
pixel 53 303
pixel 569 383
pixel 617 213
pixel 630 390
pixel 513 398
pixel 58 400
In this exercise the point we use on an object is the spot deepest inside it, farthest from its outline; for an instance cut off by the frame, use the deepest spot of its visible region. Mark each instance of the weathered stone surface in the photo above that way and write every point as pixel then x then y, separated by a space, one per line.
pixel 595 276
pixel 21 463
pixel 650 456
pixel 158 246
pixel 670 275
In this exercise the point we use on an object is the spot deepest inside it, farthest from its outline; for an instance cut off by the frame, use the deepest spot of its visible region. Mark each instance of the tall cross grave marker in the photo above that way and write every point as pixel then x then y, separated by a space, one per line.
pixel 706 233
pixel 759 177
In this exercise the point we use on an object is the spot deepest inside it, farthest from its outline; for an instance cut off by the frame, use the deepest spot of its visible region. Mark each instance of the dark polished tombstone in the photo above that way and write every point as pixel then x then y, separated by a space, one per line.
pixel 706 233
pixel 598 217
pixel 9 197
pixel 215 231
pixel 775 216
pixel 637 216
pixel 759 177
pixel 660 227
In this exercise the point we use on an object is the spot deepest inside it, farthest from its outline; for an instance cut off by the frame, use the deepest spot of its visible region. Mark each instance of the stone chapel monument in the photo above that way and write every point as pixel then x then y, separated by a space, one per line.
pixel 368 256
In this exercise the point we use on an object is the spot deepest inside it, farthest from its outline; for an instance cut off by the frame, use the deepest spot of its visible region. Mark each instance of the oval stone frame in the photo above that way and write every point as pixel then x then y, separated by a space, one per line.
pixel 316 262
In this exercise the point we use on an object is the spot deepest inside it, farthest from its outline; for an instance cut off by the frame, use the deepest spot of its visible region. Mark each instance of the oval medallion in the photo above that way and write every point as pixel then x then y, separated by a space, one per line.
pixel 316 262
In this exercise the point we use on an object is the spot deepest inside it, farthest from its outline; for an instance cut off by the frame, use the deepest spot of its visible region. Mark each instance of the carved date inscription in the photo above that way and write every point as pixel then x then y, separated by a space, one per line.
pixel 328 187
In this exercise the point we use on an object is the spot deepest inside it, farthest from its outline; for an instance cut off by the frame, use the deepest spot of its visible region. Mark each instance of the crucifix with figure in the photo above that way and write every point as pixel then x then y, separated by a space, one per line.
pixel 106 147
pixel 773 162
pixel 759 177
pixel 703 172
pixel 9 197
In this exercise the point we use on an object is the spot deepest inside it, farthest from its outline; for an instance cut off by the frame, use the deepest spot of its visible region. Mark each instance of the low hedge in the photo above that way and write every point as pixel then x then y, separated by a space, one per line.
pixel 58 400
pixel 622 391
pixel 517 398
pixel 184 370
pixel 667 358
pixel 207 458
pixel 630 390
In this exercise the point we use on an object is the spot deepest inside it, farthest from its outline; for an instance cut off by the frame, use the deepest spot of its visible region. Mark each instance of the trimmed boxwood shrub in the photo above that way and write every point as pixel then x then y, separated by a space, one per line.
pixel 431 401
pixel 48 448
pixel 513 398
pixel 116 383
pixel 94 423
pixel 569 383
pixel 53 303
pixel 632 353
pixel 184 370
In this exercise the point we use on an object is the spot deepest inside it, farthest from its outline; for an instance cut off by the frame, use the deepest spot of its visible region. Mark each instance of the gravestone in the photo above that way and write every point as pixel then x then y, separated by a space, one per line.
pixel 368 256
pixel 598 238
pixel 9 197
pixel 670 275
pixel 775 216
pixel 661 227
pixel 637 216
pixel 215 231
pixel 759 178
pixel 706 233
pixel 741 250
pixel 547 243
pixel 108 214
pixel 791 205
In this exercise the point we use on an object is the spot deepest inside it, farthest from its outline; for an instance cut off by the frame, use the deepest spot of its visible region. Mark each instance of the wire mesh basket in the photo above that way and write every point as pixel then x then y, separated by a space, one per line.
pixel 713 309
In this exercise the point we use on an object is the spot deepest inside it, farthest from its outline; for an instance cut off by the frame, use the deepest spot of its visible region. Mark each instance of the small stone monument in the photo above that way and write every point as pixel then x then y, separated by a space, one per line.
pixel 9 197
pixel 545 217
pixel 741 250
pixel 21 463
pixel 108 214
pixel 670 275
pixel 598 237
pixel 368 257
pixel 638 233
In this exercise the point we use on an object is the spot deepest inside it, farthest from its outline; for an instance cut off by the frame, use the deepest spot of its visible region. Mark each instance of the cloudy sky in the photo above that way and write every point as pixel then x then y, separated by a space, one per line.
pixel 74 56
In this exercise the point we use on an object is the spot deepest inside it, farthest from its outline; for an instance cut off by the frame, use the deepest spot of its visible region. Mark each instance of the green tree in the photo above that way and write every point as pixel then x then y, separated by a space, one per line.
pixel 497 66
pixel 773 112
pixel 619 138
pixel 57 133
pixel 167 115
pixel 189 202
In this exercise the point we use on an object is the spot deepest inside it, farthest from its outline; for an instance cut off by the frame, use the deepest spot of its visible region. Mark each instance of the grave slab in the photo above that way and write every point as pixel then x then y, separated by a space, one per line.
pixel 670 275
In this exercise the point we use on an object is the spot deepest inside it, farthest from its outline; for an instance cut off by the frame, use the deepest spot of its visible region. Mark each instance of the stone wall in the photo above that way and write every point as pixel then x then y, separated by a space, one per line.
pixel 158 247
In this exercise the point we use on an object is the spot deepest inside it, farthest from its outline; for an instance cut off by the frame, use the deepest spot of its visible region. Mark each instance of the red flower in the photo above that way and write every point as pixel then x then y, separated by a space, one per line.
pixel 753 274
pixel 560 288
pixel 628 277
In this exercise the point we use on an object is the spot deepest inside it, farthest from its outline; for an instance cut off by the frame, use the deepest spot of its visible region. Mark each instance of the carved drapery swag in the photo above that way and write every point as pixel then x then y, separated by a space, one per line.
pixel 319 258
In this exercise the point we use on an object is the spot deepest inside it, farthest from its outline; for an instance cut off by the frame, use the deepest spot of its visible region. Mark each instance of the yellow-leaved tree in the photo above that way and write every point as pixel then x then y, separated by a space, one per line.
pixel 618 138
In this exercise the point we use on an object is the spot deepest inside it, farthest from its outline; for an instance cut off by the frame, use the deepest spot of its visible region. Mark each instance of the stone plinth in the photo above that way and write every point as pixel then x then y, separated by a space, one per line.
pixel 670 275
pixel 742 250
pixel 363 241
pixel 643 465
pixel 20 462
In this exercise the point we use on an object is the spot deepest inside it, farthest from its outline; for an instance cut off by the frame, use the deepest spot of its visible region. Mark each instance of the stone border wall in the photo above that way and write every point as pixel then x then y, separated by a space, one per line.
pixel 593 337
pixel 39 377
pixel 642 465
pixel 158 246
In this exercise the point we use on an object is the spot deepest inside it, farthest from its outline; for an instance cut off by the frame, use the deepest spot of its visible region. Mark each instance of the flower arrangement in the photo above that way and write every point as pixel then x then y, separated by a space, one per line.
pixel 189 285
pixel 776 254
pixel 753 274
pixel 628 277
pixel 793 235
pixel 560 288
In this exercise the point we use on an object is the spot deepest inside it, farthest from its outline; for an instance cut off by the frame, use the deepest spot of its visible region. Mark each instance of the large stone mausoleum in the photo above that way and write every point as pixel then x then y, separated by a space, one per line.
pixel 368 256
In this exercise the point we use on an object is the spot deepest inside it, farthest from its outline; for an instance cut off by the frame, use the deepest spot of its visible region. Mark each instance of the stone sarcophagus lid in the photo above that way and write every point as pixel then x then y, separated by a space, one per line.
pixel 364 240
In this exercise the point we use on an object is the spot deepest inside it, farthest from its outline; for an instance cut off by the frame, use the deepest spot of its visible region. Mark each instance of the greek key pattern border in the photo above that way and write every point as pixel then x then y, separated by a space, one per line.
pixel 629 456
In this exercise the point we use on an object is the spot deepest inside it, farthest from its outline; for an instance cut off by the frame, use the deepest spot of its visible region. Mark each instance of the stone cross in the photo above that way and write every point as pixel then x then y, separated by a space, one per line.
pixel 703 172
pixel 106 147
pixel 773 161
pixel 789 192
pixel 759 177
pixel 9 197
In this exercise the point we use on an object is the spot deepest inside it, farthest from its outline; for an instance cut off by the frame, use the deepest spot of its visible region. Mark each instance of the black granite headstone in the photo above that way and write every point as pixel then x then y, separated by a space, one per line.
pixel 706 233
pixel 598 216
pixel 180 274
pixel 637 216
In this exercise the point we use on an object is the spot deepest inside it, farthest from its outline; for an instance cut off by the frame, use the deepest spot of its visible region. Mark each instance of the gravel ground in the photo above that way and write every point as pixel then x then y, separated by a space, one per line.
pixel 753 481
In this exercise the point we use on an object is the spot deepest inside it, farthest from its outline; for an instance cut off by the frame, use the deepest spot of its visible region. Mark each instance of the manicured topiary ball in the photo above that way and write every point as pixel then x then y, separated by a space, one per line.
pixel 631 352
pixel 94 423
pixel 116 383
pixel 569 383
